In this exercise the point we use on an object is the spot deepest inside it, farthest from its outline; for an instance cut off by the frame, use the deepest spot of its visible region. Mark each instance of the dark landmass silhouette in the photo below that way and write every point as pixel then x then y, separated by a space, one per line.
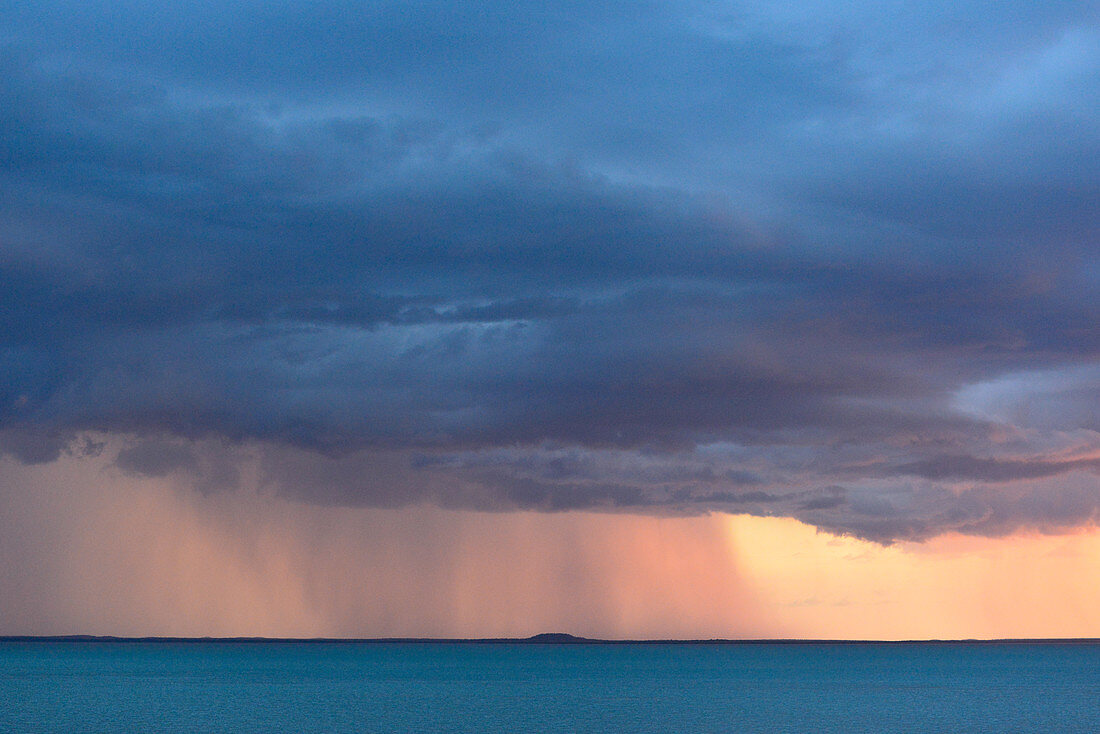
pixel 545 638
pixel 557 638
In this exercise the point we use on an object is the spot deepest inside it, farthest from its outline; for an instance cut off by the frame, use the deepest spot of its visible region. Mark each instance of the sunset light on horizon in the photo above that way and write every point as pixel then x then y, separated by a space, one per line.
pixel 112 555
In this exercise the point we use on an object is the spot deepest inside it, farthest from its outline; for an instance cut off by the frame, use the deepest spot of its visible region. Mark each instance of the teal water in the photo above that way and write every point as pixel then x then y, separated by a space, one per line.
pixel 443 687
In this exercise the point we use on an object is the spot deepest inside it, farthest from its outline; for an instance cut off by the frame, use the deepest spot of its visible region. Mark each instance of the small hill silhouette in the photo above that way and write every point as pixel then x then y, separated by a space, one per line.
pixel 555 638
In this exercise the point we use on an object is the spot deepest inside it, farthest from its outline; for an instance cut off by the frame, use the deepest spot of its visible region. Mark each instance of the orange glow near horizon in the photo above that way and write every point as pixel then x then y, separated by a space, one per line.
pixel 107 554
pixel 949 587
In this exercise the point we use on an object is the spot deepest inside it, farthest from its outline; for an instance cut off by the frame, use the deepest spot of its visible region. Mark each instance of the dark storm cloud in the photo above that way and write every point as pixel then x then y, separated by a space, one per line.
pixel 651 256
pixel 209 467
pixel 994 470
pixel 922 511
pixel 156 459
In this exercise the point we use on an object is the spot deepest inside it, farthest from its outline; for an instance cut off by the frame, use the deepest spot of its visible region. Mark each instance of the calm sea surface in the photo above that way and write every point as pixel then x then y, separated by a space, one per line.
pixel 442 687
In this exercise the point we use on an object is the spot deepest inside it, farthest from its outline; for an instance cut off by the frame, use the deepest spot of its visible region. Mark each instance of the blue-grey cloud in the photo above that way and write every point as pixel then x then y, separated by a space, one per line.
pixel 656 257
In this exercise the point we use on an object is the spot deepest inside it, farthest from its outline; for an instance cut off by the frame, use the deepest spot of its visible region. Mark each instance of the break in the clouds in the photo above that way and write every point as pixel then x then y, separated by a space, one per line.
pixel 831 261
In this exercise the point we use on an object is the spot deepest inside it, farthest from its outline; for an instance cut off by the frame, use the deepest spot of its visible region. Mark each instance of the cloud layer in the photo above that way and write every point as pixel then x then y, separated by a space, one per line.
pixel 831 262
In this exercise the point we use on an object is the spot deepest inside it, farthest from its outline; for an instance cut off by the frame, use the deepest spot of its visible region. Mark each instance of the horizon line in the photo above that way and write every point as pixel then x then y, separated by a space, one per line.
pixel 547 638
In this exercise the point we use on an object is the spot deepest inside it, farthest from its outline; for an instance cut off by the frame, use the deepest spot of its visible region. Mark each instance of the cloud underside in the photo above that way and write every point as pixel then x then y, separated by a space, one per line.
pixel 839 265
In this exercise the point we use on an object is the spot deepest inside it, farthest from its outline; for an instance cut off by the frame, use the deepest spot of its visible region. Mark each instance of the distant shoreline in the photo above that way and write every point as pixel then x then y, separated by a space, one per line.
pixel 544 639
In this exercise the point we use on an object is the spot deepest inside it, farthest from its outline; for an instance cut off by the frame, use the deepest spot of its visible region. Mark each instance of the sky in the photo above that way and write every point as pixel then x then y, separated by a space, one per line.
pixel 665 319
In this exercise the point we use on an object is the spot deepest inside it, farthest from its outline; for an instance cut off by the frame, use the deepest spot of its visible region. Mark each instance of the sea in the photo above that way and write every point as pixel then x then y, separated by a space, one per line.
pixel 218 686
